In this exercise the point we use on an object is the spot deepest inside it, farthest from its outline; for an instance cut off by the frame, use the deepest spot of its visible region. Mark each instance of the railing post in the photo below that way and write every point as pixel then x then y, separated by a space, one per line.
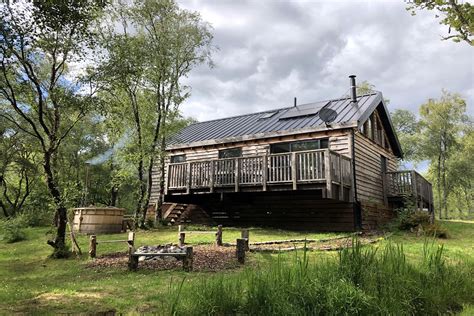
pixel 413 187
pixel 237 173
pixel 211 175
pixel 188 177
pixel 264 172
pixel 293 170
pixel 167 179
pixel 341 179
pixel 328 174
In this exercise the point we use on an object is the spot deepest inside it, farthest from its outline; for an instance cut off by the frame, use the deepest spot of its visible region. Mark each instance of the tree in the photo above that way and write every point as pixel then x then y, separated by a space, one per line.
pixel 441 122
pixel 407 127
pixel 37 42
pixel 157 46
pixel 455 14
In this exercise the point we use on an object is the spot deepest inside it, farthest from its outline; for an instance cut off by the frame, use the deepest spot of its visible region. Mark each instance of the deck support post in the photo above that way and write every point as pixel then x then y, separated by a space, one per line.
pixel 211 176
pixel 188 178
pixel 293 170
pixel 341 179
pixel 264 172
pixel 237 173
pixel 414 188
pixel 328 173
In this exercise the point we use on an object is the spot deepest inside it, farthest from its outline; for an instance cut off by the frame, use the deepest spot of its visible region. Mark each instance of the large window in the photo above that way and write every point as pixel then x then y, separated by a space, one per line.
pixel 299 146
pixel 178 158
pixel 230 153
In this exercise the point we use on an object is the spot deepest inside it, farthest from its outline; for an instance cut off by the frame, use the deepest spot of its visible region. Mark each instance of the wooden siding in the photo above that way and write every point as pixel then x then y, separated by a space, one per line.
pixel 368 168
pixel 339 141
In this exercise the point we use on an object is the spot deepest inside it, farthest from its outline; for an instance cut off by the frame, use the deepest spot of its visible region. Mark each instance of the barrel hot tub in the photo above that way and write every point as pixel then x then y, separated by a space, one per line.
pixel 98 220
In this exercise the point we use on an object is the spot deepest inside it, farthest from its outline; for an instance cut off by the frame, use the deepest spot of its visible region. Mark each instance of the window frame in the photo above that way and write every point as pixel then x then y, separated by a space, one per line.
pixel 291 144
pixel 221 151
pixel 173 157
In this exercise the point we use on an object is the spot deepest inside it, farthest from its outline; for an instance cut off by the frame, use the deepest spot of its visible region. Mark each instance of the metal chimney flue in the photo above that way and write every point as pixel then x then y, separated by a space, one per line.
pixel 353 88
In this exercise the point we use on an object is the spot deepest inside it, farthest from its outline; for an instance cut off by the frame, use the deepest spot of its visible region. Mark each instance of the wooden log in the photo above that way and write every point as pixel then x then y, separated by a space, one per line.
pixel 182 237
pixel 240 250
pixel 188 260
pixel 93 246
pixel 245 235
pixel 219 236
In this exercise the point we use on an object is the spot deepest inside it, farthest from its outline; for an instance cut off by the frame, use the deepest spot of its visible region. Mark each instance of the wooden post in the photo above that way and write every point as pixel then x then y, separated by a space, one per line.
pixel 182 236
pixel 293 170
pixel 211 175
pixel 264 172
pixel 167 182
pixel 237 173
pixel 245 235
pixel 188 177
pixel 240 250
pixel 328 173
pixel 180 228
pixel 414 188
pixel 132 262
pixel 341 179
pixel 188 260
pixel 131 243
pixel 219 235
pixel 93 246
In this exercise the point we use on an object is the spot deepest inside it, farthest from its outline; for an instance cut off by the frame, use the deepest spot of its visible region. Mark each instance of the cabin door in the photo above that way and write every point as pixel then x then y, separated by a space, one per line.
pixel 383 171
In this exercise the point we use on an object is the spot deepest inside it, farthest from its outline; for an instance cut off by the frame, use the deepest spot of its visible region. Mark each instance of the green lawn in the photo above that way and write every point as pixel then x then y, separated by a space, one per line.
pixel 32 283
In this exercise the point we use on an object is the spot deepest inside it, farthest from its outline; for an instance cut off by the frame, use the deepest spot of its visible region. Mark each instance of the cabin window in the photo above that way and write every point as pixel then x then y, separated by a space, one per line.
pixel 230 153
pixel 299 146
pixel 178 158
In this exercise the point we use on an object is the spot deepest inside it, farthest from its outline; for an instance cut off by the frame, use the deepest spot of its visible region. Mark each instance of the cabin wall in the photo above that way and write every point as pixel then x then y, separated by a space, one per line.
pixel 370 183
pixel 339 141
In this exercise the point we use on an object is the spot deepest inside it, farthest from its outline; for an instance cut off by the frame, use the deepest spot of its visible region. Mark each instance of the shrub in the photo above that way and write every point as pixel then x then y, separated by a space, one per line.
pixel 11 231
pixel 409 220
pixel 435 230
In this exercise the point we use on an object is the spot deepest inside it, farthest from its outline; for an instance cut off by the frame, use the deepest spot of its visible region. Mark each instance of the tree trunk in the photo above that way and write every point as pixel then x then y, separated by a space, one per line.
pixel 445 190
pixel 59 242
pixel 438 187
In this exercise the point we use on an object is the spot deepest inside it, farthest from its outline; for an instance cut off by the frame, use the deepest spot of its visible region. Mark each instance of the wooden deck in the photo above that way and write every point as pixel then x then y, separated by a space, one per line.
pixel 409 184
pixel 316 169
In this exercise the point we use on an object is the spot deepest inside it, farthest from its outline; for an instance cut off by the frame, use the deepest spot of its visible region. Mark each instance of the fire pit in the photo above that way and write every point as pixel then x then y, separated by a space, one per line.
pixel 160 249
pixel 185 254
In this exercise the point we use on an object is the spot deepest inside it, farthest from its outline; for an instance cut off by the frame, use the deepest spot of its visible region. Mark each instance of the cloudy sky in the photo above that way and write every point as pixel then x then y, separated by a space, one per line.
pixel 271 51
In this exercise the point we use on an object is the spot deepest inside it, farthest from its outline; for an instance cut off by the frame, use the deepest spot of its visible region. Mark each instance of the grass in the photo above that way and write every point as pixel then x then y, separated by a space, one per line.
pixel 30 282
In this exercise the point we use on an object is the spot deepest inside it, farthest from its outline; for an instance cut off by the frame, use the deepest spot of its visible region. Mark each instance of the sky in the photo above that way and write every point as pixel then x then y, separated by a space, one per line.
pixel 270 51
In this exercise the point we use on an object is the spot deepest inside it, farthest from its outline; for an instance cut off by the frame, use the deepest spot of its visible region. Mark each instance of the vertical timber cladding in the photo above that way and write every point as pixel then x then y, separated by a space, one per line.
pixel 370 186
pixel 339 141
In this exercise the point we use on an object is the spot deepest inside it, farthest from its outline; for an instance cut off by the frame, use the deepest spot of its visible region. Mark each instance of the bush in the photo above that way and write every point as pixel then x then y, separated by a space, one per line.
pixel 410 220
pixel 435 230
pixel 11 231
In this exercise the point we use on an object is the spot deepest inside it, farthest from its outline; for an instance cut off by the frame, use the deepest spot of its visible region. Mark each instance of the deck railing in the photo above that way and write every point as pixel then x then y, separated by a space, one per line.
pixel 287 168
pixel 408 183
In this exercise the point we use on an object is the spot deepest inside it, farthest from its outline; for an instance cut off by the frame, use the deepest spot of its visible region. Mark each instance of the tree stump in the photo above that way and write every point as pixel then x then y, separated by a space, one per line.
pixel 188 260
pixel 182 236
pixel 240 250
pixel 93 246
pixel 219 235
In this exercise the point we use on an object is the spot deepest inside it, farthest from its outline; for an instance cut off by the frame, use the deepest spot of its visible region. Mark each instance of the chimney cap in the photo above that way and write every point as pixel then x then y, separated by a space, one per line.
pixel 352 76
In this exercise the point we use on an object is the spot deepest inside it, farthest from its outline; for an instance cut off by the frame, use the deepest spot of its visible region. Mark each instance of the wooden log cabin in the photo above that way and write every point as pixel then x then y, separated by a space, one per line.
pixel 327 166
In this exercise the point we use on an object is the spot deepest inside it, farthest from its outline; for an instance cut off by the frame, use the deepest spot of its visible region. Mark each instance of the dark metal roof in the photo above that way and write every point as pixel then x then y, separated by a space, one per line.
pixel 259 123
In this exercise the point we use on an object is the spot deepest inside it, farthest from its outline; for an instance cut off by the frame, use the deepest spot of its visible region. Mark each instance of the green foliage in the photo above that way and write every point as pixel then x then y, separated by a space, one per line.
pixel 407 127
pixel 361 281
pixel 11 231
pixel 457 15
pixel 408 219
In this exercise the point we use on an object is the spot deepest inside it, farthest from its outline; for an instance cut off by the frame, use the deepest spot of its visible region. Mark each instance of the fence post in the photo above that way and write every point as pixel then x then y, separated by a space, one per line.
pixel 182 236
pixel 131 242
pixel 328 173
pixel 188 260
pixel 93 246
pixel 245 235
pixel 240 250
pixel 132 262
pixel 219 235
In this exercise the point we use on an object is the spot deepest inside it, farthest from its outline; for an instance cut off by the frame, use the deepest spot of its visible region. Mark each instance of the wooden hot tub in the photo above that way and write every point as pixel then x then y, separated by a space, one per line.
pixel 98 220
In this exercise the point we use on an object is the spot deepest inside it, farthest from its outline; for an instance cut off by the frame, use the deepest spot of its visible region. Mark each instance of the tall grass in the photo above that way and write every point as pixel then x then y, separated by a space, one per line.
pixel 360 281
